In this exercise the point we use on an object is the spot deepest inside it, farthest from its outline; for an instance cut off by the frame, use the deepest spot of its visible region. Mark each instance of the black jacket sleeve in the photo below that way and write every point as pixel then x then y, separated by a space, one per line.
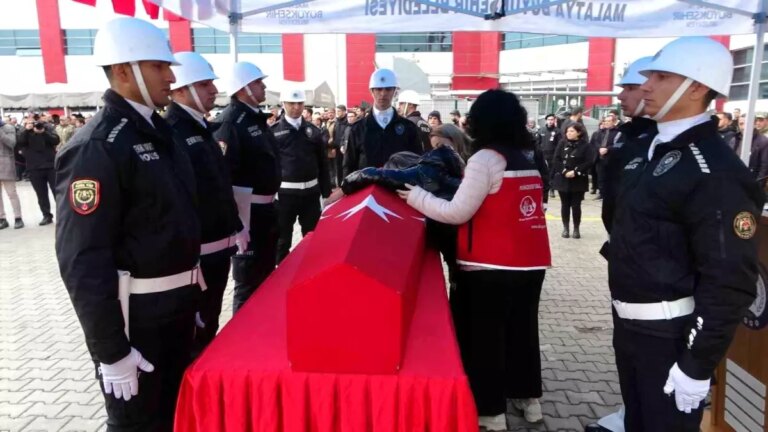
pixel 227 133
pixel 352 151
pixel 324 178
pixel 726 263
pixel 85 245
pixel 541 165
pixel 588 160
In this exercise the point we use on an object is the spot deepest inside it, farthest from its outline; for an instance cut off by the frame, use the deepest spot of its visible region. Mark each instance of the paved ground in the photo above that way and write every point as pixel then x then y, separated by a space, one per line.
pixel 47 379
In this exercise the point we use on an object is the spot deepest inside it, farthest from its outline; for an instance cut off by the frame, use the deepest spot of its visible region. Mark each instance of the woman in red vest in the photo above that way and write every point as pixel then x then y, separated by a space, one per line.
pixel 503 251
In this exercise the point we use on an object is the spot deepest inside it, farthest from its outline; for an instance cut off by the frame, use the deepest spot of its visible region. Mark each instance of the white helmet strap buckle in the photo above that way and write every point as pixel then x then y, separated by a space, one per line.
pixel 673 99
pixel 142 86
pixel 196 98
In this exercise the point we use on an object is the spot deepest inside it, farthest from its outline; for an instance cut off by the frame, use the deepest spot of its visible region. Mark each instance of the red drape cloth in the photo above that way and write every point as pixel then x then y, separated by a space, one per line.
pixel 243 381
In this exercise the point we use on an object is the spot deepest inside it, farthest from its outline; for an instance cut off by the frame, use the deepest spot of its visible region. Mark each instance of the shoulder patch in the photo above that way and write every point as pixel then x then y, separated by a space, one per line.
pixel 240 118
pixel 744 225
pixel 84 196
pixel 116 130
pixel 667 162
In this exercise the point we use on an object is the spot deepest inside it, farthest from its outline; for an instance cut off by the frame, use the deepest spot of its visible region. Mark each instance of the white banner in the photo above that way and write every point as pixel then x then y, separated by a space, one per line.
pixel 627 18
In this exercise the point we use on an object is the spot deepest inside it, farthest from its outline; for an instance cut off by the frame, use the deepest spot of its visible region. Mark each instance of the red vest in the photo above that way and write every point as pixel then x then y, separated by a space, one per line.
pixel 509 230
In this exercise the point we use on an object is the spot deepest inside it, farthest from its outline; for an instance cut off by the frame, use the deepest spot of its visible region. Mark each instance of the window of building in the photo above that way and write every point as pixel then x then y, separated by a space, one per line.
pixel 742 67
pixel 414 42
pixel 79 41
pixel 19 42
pixel 513 40
pixel 211 41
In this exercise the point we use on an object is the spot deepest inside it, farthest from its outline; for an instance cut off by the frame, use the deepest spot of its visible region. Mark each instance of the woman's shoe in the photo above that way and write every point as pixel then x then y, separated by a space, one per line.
pixel 566 233
pixel 531 409
pixel 18 224
pixel 576 233
pixel 494 423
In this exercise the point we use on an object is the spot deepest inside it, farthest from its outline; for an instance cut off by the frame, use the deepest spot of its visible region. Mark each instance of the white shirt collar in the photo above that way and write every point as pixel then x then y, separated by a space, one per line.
pixel 380 115
pixel 671 129
pixel 195 114
pixel 144 110
pixel 295 122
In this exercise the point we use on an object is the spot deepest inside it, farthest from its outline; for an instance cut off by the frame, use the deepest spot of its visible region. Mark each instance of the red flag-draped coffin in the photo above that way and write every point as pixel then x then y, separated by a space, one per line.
pixel 349 306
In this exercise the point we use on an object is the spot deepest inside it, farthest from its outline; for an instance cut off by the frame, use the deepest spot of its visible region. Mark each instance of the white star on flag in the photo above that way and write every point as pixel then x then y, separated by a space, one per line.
pixel 371 203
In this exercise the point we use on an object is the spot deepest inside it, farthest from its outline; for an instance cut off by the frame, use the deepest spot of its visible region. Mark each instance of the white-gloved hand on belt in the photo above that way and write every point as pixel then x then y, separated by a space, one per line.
pixel 122 377
pixel 241 240
pixel 689 392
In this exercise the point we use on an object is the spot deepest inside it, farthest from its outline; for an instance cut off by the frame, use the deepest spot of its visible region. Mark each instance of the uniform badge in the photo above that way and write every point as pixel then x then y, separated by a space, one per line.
pixel 84 196
pixel 308 131
pixel 399 129
pixel 756 317
pixel 633 163
pixel 527 206
pixel 667 162
pixel 744 225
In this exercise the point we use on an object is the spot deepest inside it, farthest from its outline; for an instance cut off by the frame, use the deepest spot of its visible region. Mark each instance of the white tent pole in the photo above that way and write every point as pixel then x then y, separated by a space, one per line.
pixel 235 17
pixel 754 83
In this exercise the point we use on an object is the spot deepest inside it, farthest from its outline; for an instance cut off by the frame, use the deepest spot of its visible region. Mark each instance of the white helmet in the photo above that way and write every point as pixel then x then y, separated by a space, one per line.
pixel 127 40
pixel 382 78
pixel 192 68
pixel 699 58
pixel 409 97
pixel 293 95
pixel 242 74
pixel 631 75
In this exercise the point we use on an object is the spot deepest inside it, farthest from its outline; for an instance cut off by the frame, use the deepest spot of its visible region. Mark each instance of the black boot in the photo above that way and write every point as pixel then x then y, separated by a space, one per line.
pixel 18 224
pixel 551 193
pixel 566 232
pixel 3 222
pixel 576 233
pixel 46 220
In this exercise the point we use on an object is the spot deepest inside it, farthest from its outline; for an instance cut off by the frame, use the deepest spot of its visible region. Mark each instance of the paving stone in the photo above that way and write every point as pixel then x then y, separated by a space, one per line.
pixel 45 424
pixel 9 424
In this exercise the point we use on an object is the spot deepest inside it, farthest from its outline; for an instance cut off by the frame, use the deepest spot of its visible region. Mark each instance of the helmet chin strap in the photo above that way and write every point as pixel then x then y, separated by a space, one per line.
pixel 639 109
pixel 199 104
pixel 673 99
pixel 142 86
pixel 250 95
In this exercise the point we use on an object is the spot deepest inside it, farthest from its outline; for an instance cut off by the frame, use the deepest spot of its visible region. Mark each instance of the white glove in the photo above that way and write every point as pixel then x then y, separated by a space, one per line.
pixel 688 392
pixel 122 377
pixel 241 240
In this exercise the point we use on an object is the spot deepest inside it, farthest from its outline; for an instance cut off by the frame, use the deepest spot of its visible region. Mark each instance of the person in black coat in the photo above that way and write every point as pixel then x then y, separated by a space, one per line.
pixel 573 159
pixel 602 142
pixel 548 137
pixel 38 145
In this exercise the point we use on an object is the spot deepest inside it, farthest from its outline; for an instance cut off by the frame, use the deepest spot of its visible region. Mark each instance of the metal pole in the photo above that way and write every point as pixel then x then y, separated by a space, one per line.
pixel 754 84
pixel 235 17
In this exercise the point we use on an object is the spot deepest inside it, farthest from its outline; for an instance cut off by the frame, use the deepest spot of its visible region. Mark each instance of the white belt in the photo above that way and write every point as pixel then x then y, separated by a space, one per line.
pixel 655 311
pixel 298 185
pixel 218 245
pixel 262 199
pixel 128 285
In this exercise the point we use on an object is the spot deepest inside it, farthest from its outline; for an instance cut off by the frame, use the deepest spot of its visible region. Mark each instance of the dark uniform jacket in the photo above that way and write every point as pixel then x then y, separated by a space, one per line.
pixel 251 149
pixel 302 156
pixel 424 129
pixel 125 195
pixel 39 149
pixel 684 226
pixel 371 146
pixel 640 128
pixel 578 156
pixel 217 209
pixel 548 138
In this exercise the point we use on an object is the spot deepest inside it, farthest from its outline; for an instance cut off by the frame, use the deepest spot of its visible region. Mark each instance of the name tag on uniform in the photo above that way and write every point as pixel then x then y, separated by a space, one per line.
pixel 281 133
pixel 254 131
pixel 146 152
pixel 633 164
pixel 194 140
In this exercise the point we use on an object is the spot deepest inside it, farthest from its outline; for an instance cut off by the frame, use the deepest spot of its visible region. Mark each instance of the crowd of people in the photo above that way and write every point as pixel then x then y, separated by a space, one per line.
pixel 154 213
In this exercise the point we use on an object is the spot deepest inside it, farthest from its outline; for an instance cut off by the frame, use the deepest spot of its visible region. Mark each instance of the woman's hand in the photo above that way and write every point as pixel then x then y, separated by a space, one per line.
pixel 404 193
pixel 570 174
pixel 336 195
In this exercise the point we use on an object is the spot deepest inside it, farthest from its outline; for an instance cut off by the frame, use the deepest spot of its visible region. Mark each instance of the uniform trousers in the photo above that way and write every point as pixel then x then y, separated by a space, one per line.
pixel 643 362
pixel 260 254
pixel 495 314
pixel 162 327
pixel 42 180
pixel 10 189
pixel 215 269
pixel 290 206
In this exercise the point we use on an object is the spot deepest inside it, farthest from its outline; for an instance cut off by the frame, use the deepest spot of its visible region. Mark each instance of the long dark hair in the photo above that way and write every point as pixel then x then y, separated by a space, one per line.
pixel 497 118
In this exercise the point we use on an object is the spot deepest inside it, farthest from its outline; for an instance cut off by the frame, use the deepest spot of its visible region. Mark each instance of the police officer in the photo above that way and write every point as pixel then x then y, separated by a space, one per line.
pixel 682 260
pixel 548 138
pixel 304 170
pixel 128 236
pixel 193 95
pixel 254 160
pixel 638 127
pixel 375 138
pixel 408 107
